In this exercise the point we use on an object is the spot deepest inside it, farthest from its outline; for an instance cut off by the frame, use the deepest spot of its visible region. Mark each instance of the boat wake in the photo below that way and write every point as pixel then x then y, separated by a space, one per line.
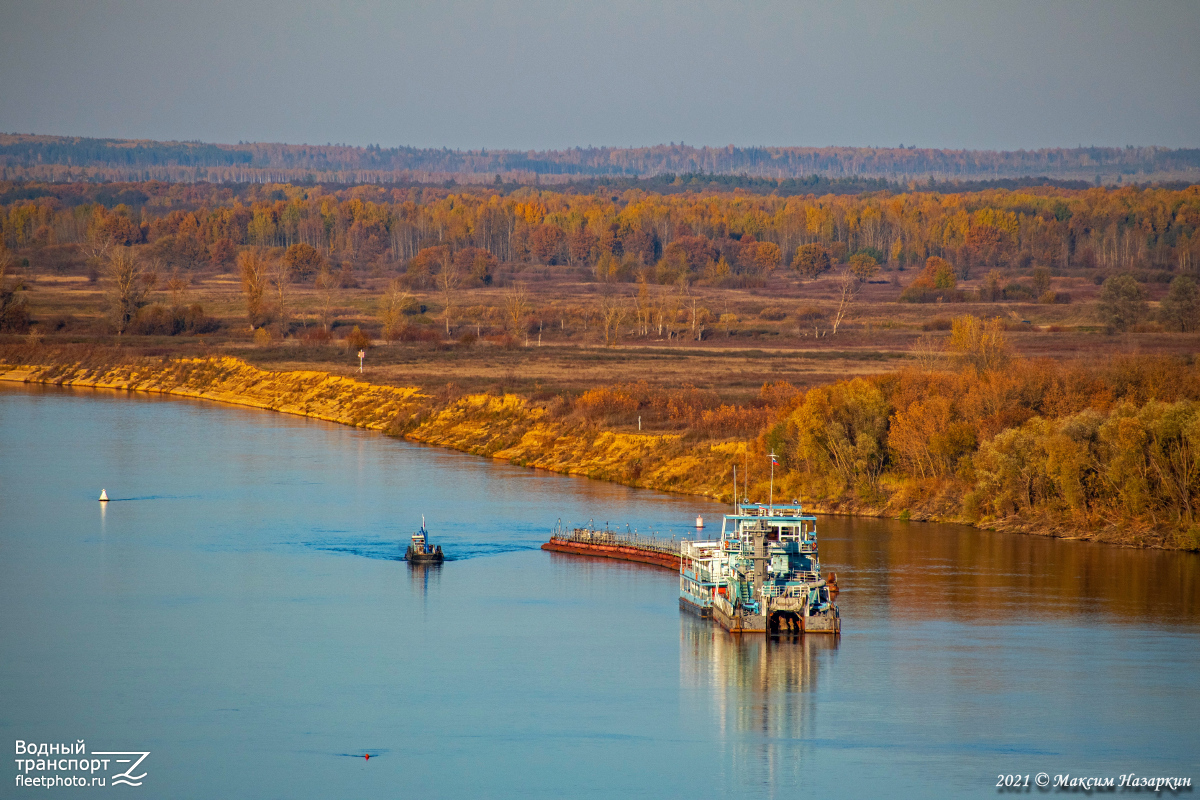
pixel 465 550
pixel 391 551
pixel 154 497
pixel 373 752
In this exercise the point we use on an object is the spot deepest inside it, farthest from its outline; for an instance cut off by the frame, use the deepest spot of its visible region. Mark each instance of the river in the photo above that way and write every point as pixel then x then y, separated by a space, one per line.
pixel 239 611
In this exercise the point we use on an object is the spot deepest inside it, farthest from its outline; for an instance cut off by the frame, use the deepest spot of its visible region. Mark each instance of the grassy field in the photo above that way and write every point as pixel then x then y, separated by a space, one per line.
pixel 741 338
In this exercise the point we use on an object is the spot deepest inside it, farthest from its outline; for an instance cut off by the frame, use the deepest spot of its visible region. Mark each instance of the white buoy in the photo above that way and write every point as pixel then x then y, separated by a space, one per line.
pixel 699 522
pixel 103 496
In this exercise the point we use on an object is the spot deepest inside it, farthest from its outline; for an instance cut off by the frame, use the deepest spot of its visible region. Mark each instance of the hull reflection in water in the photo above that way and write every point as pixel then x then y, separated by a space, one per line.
pixel 758 693
pixel 421 574
pixel 775 673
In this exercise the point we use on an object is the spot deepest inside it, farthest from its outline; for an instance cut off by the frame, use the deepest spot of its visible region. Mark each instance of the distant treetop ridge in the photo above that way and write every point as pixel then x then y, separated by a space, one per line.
pixel 75 158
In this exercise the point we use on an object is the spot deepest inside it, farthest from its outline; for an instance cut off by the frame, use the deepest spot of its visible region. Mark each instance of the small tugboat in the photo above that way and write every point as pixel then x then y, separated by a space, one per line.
pixel 420 551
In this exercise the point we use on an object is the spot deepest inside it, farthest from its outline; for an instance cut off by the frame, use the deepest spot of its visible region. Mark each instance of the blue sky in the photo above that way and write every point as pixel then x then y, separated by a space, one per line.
pixel 535 75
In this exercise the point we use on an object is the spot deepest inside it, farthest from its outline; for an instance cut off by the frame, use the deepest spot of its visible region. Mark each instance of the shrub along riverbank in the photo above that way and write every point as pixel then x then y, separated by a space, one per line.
pixel 1108 452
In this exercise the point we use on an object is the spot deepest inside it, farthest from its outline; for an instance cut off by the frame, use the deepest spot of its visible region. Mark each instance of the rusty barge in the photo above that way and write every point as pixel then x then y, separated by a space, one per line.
pixel 605 543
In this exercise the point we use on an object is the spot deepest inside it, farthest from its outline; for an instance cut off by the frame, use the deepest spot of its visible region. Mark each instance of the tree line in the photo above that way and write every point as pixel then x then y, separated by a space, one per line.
pixel 129 159
pixel 721 237
pixel 1079 448
pixel 1113 446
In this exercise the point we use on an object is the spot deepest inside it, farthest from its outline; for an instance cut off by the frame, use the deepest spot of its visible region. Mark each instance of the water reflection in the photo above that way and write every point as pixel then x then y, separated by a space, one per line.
pixel 244 603
pixel 759 684
pixel 924 570
pixel 420 576
pixel 760 696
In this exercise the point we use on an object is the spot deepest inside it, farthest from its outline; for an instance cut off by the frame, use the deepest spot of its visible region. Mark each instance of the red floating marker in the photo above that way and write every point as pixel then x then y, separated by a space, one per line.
pixel 367 756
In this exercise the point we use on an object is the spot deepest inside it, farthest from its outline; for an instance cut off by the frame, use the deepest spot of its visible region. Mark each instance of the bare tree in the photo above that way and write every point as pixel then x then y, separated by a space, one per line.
pixel 253 270
pixel 927 353
pixel 279 272
pixel 97 242
pixel 644 305
pixel 395 301
pixel 847 284
pixel 131 285
pixel 327 285
pixel 449 280
pixel 666 309
pixel 177 285
pixel 612 313
pixel 516 305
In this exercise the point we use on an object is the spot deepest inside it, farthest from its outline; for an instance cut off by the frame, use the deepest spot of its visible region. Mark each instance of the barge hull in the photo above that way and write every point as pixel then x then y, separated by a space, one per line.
pixel 737 622
pixel 823 624
pixel 618 552
pixel 705 612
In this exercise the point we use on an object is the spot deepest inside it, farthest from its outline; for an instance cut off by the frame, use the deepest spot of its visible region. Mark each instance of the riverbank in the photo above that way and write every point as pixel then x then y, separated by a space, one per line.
pixel 527 432
pixel 505 427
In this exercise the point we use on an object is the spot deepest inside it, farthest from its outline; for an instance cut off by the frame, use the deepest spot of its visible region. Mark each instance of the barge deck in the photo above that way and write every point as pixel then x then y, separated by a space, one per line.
pixel 597 543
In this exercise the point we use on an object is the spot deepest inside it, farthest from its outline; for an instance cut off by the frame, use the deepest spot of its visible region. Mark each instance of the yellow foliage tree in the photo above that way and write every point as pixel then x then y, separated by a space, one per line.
pixel 979 344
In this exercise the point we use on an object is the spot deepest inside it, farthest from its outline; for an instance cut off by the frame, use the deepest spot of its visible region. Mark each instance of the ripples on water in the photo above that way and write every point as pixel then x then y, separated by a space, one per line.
pixel 240 611
pixel 390 551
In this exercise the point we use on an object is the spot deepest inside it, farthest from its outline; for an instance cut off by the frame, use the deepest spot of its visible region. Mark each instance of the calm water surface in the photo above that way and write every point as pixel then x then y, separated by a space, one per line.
pixel 239 611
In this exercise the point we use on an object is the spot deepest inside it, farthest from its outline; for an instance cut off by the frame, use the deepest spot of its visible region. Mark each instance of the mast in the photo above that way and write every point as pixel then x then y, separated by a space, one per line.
pixel 771 496
pixel 746 477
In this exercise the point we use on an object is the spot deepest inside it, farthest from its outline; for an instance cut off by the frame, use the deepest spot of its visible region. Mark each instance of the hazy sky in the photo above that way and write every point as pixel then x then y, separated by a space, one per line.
pixel 999 74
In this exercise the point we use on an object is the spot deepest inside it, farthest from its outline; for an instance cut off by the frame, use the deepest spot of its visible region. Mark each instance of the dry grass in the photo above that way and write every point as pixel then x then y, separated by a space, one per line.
pixel 565 351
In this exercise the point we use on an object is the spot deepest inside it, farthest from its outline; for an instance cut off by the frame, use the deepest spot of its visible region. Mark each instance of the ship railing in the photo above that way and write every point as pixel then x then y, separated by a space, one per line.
pixel 701 551
pixel 771 590
pixel 618 538
pixel 801 547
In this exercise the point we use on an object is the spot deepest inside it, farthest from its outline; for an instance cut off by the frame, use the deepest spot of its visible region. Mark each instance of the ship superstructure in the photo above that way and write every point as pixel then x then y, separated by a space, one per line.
pixel 762 575
pixel 702 574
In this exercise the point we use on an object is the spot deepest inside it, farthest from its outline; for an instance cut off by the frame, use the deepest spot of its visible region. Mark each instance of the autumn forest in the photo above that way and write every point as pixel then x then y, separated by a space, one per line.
pixel 1018 358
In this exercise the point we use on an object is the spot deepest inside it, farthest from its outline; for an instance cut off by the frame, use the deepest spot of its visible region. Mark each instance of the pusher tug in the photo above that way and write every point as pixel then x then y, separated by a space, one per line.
pixel 763 574
pixel 420 551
